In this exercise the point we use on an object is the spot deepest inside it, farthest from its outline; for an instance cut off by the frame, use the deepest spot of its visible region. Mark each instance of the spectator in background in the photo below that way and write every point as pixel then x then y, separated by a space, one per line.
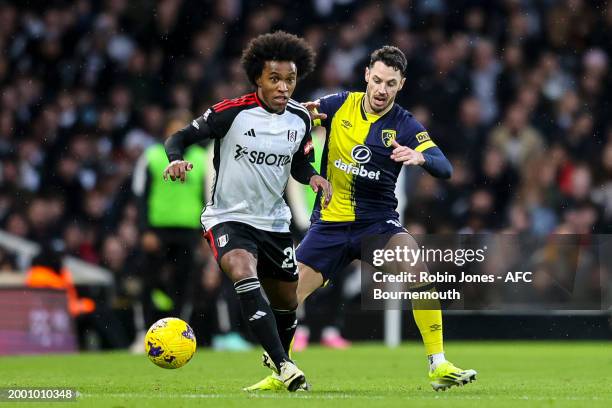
pixel 540 194
pixel 484 79
pixel 511 76
pixel 516 139
pixel 442 87
pixel 579 140
pixel 466 137
pixel 8 263
pixel 566 108
pixel 603 193
pixel 17 224
pixel 498 177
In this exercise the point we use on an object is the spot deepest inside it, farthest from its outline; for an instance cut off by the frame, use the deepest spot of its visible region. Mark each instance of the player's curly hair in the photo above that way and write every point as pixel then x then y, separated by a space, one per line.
pixel 277 46
pixel 390 56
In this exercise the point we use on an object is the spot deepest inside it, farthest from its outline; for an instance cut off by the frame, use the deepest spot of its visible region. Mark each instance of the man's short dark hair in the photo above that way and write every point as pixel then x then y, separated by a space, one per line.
pixel 277 46
pixel 390 56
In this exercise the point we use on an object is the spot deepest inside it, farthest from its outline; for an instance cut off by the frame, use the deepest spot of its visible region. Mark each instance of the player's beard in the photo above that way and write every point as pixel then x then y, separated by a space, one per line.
pixel 375 108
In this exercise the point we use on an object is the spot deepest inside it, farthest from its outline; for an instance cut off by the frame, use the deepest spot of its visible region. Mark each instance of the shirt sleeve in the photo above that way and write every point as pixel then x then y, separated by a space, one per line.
pixel 301 167
pixel 219 119
pixel 329 105
pixel 416 137
pixel 437 164
pixel 306 149
pixel 212 124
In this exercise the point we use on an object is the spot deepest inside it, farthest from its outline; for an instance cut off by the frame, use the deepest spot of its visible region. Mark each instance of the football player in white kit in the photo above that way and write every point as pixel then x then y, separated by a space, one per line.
pixel 259 140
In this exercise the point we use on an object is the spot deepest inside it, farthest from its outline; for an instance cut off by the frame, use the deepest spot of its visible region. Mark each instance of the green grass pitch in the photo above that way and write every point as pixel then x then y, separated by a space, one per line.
pixel 510 374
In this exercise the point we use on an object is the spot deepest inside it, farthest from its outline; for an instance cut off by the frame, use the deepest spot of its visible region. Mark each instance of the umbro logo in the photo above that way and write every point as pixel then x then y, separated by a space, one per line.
pixel 257 315
pixel 346 124
pixel 250 132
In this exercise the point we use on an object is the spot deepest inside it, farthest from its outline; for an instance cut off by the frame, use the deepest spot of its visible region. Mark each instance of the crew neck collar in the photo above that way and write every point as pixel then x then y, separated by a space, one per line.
pixel 261 103
pixel 371 117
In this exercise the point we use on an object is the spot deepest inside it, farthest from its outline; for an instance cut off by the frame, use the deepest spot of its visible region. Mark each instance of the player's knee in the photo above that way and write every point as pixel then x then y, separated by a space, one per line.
pixel 291 301
pixel 286 305
pixel 402 240
pixel 287 300
pixel 301 297
pixel 302 293
pixel 282 295
pixel 239 264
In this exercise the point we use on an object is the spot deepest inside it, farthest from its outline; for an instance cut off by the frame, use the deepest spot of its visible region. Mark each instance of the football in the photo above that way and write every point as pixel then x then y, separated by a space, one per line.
pixel 170 343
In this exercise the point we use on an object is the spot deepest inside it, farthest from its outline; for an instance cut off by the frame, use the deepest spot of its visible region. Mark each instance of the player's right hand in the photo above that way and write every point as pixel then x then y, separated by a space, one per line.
pixel 312 110
pixel 320 183
pixel 177 170
pixel 406 155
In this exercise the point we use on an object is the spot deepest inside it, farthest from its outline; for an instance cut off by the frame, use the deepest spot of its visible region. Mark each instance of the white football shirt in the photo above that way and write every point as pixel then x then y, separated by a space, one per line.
pixel 253 151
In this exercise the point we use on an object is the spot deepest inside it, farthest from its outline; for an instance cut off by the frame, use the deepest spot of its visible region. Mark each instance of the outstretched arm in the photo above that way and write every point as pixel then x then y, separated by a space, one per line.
pixel 197 131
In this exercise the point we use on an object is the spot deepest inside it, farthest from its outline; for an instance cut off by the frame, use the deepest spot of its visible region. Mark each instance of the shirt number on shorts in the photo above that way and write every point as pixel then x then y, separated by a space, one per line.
pixel 289 261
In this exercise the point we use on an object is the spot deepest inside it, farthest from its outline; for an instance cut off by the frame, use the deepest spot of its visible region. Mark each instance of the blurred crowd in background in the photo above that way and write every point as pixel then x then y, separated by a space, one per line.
pixel 515 92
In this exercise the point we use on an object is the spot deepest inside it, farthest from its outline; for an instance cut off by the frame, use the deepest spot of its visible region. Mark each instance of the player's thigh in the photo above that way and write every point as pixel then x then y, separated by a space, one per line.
pixel 281 294
pixel 325 250
pixel 239 264
pixel 412 264
pixel 234 249
pixel 309 281
pixel 406 244
pixel 276 256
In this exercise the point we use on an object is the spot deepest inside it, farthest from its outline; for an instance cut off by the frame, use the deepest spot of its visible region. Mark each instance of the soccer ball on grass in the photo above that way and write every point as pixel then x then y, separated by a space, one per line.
pixel 170 343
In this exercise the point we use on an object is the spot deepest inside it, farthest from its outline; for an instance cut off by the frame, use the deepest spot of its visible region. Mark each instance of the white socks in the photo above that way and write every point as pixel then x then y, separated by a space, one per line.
pixel 435 360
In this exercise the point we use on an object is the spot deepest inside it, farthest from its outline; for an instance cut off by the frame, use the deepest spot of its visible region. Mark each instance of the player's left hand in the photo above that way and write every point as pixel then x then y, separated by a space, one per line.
pixel 319 183
pixel 406 155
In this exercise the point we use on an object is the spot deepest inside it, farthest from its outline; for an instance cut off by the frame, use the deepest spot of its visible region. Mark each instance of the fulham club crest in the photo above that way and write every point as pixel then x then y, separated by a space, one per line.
pixel 222 240
pixel 292 135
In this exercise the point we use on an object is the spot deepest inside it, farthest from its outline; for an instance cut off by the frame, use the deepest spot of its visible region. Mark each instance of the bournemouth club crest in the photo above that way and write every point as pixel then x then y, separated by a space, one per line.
pixel 388 136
